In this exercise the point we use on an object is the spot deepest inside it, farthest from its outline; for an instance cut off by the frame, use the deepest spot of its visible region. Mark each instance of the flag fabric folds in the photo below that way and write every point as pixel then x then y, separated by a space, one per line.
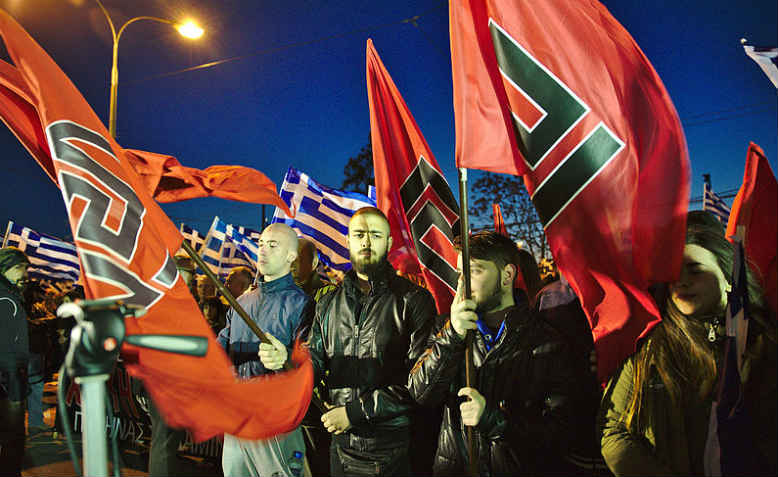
pixel 714 204
pixel 767 59
pixel 125 245
pixel 50 258
pixel 559 91
pixel 225 248
pixel 754 209
pixel 412 192
pixel 192 236
pixel 169 181
pixel 321 214
pixel 729 449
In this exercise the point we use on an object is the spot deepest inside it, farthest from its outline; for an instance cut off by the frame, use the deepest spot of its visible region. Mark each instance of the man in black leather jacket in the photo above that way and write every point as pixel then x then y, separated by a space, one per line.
pixel 520 405
pixel 367 334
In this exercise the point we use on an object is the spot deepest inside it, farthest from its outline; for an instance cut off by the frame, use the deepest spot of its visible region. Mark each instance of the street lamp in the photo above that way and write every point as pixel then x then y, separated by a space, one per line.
pixel 188 29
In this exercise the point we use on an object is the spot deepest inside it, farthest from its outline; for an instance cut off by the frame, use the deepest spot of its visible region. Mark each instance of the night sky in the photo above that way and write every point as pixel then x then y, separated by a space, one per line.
pixel 293 89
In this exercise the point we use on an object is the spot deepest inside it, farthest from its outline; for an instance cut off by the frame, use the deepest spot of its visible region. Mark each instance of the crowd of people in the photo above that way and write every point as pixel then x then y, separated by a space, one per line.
pixel 392 374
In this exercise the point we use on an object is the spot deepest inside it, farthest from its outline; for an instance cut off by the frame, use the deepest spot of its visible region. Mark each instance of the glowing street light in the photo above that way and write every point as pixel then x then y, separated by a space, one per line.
pixel 188 29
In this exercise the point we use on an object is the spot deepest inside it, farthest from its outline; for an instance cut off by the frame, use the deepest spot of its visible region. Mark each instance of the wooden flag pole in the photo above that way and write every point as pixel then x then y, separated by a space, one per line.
pixel 472 450
pixel 239 309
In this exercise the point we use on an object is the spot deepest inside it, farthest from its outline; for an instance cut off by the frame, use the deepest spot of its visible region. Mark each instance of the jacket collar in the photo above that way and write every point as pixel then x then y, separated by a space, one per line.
pixel 278 284
pixel 378 282
pixel 9 287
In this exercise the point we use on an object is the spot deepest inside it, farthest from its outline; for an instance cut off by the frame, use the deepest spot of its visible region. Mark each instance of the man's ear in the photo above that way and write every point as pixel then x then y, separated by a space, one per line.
pixel 389 244
pixel 291 256
pixel 508 274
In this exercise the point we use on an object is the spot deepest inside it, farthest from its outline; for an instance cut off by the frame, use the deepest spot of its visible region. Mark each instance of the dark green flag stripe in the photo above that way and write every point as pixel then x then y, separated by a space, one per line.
pixel 574 174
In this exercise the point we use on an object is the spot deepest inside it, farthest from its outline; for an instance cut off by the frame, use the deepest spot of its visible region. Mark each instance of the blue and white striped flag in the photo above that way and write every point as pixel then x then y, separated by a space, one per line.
pixel 714 204
pixel 226 248
pixel 50 258
pixel 321 214
pixel 195 238
pixel 767 59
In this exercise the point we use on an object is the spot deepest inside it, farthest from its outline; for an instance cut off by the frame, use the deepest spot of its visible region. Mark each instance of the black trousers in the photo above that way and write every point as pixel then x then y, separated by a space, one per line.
pixel 13 395
pixel 369 459
pixel 163 460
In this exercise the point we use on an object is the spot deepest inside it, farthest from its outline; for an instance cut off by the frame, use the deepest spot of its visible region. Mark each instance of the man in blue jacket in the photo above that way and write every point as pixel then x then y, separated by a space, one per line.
pixel 282 310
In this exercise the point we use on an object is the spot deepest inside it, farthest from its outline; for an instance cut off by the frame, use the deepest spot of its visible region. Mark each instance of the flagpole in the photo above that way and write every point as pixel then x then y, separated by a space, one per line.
pixel 472 451
pixel 239 309
pixel 7 232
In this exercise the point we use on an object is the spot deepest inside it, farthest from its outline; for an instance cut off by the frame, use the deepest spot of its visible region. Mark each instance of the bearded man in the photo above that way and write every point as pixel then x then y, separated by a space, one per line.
pixel 366 336
pixel 521 402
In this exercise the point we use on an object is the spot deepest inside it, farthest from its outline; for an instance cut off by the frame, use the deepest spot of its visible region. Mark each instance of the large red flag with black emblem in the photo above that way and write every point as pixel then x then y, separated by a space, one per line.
pixel 125 245
pixel 163 176
pixel 558 91
pixel 411 190
pixel 759 189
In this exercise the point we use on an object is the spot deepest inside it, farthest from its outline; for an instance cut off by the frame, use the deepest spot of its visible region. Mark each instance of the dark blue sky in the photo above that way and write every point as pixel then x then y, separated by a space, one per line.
pixel 295 93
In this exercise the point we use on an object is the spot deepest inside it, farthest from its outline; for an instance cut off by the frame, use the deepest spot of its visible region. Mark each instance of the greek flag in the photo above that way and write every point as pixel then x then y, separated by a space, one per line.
pixel 714 204
pixel 50 258
pixel 195 238
pixel 321 214
pixel 227 246
pixel 767 59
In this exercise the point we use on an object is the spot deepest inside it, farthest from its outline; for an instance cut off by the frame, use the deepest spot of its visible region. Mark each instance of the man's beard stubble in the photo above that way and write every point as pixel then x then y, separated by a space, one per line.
pixel 366 265
pixel 491 301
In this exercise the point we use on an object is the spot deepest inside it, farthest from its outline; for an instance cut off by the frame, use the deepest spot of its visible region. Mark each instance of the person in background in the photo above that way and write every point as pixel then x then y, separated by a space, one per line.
pixel 214 312
pixel 14 355
pixel 239 280
pixel 655 413
pixel 281 310
pixel 521 404
pixel 205 288
pixel 317 439
pixel 163 459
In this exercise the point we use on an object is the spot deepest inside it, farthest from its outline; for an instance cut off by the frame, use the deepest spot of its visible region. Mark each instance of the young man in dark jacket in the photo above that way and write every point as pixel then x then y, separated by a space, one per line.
pixel 520 405
pixel 367 334
pixel 14 354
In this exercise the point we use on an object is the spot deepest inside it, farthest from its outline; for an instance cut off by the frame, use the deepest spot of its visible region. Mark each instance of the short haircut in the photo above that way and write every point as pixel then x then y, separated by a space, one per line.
pixel 245 271
pixel 493 247
pixel 369 211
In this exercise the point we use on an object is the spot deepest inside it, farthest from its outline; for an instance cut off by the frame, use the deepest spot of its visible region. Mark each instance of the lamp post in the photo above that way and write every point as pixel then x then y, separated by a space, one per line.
pixel 187 29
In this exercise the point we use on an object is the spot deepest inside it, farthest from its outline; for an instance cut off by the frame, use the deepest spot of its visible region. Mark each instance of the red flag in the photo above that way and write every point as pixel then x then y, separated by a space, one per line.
pixel 169 181
pixel 410 188
pixel 125 245
pixel 559 91
pixel 499 222
pixel 761 227
pixel 164 177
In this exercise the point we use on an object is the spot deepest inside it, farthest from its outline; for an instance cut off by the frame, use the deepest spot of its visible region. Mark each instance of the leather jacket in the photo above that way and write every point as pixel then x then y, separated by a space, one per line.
pixel 368 343
pixel 527 379
pixel 13 323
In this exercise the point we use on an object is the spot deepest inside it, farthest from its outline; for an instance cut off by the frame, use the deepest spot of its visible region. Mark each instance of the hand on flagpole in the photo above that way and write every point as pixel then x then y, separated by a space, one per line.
pixel 272 355
pixel 463 315
pixel 473 409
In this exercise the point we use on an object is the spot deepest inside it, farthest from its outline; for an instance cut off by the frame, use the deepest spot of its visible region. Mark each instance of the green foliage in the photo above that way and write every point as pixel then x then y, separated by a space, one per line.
pixel 521 220
pixel 359 170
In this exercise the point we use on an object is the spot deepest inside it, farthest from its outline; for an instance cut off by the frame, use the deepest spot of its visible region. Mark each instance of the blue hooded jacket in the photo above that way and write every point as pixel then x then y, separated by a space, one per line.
pixel 278 307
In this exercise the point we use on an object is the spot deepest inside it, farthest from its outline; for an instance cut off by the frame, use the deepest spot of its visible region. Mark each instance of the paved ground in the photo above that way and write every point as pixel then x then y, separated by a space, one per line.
pixel 46 452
